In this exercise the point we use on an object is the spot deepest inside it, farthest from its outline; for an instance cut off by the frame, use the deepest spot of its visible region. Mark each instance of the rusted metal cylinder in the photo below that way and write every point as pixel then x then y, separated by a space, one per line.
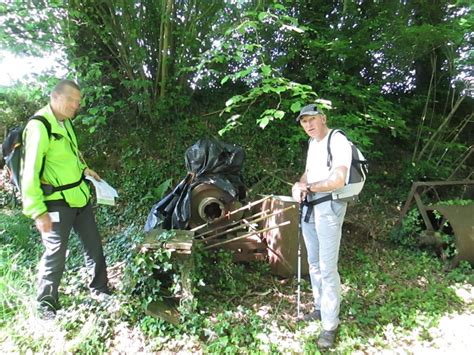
pixel 209 203
pixel 210 208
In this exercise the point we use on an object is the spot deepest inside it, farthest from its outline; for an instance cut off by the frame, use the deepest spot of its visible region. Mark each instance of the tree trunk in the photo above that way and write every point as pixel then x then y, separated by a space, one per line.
pixel 166 46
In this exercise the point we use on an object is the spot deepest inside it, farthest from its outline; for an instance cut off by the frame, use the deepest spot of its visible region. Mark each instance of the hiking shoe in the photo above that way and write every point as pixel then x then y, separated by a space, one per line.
pixel 314 315
pixel 104 296
pixel 46 311
pixel 326 338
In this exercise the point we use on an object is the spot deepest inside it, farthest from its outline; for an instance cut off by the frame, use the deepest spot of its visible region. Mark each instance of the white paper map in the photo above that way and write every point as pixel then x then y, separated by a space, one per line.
pixel 105 193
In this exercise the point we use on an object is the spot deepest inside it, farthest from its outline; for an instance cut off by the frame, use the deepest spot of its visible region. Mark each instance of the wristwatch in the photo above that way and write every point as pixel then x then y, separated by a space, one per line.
pixel 308 188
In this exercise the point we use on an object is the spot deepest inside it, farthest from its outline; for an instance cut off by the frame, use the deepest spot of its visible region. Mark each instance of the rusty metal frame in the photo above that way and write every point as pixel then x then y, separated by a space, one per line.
pixel 416 194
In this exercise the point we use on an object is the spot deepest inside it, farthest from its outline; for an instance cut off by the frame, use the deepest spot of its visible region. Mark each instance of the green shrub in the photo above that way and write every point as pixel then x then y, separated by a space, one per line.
pixel 407 234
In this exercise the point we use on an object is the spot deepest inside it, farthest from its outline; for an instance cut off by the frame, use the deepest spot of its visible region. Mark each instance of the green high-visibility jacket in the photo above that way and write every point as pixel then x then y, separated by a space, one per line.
pixel 62 165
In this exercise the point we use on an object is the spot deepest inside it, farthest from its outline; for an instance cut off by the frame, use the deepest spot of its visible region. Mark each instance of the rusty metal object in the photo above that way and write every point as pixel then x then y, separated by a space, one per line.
pixel 164 309
pixel 418 189
pixel 209 204
pixel 242 235
pixel 245 235
pixel 461 219
pixel 244 224
pixel 230 214
pixel 250 247
pixel 227 227
pixel 283 241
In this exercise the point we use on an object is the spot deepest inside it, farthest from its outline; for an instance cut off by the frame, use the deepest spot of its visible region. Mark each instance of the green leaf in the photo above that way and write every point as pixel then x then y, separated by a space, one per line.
pixel 295 106
pixel 219 59
pixel 242 28
pixel 264 121
pixel 225 79
pixel 233 100
pixel 243 73
pixel 262 15
pixel 279 89
pixel 327 104
pixel 279 114
pixel 266 70
pixel 268 112
pixel 293 28
pixel 159 191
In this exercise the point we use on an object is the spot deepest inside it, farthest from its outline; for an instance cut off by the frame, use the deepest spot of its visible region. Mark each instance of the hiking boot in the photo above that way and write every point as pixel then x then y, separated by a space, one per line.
pixel 46 311
pixel 326 338
pixel 47 307
pixel 101 296
pixel 314 315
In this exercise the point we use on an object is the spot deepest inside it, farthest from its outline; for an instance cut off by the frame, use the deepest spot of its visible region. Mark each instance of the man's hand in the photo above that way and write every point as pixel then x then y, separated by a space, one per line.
pixel 44 223
pixel 298 191
pixel 90 172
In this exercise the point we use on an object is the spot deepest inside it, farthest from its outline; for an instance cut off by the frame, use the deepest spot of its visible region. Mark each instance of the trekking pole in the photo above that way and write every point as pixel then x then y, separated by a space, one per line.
pixel 298 293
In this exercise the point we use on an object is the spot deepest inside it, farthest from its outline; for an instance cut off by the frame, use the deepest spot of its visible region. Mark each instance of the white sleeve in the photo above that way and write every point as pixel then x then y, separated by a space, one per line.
pixel 341 151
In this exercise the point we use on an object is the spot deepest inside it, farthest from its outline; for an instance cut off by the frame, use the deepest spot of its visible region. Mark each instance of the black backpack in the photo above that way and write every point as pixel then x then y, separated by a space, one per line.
pixel 12 149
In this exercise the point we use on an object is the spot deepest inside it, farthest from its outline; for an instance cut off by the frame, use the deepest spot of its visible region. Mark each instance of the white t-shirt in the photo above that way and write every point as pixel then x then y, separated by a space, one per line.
pixel 316 160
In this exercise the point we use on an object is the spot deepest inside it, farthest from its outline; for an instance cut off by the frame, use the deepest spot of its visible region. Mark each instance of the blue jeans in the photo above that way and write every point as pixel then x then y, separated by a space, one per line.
pixel 322 237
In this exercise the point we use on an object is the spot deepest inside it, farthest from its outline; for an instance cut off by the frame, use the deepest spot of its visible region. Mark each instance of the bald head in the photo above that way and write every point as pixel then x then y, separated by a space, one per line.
pixel 60 87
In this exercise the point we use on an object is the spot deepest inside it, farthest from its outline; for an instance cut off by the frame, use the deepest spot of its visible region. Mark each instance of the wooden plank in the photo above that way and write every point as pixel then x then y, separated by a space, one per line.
pixel 183 240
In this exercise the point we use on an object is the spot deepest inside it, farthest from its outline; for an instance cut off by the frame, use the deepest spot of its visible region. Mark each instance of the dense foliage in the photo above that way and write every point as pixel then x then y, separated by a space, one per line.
pixel 157 75
pixel 395 72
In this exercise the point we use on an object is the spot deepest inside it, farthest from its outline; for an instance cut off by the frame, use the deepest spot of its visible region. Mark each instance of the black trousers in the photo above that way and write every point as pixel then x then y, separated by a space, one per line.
pixel 53 261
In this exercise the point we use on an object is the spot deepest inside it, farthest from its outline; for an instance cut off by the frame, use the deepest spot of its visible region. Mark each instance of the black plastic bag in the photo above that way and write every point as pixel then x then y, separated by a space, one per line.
pixel 207 161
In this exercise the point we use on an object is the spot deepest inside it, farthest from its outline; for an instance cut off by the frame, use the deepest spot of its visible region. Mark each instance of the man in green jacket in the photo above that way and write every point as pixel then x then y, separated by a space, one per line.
pixel 56 196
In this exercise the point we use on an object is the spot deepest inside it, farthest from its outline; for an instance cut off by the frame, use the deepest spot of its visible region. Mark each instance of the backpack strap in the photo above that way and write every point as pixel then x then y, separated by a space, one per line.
pixel 310 205
pixel 47 125
pixel 360 166
pixel 329 161
pixel 43 120
pixel 50 189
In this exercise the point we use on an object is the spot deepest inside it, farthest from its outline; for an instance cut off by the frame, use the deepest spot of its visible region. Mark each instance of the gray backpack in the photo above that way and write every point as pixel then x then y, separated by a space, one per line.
pixel 357 176
pixel 357 173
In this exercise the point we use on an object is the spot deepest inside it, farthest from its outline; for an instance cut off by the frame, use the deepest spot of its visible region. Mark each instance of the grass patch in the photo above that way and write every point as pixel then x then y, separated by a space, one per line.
pixel 393 296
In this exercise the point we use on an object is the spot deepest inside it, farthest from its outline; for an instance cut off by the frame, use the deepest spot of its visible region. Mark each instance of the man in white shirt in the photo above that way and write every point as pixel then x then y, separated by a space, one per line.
pixel 322 223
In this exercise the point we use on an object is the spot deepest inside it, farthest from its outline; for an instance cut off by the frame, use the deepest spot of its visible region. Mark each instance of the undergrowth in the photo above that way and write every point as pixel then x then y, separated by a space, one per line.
pixel 389 291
